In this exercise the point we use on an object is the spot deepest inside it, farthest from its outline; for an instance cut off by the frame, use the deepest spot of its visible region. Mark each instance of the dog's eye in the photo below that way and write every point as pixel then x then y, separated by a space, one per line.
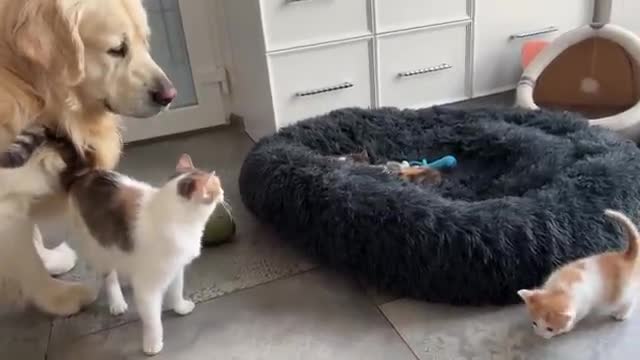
pixel 119 51
pixel 549 329
pixel 535 324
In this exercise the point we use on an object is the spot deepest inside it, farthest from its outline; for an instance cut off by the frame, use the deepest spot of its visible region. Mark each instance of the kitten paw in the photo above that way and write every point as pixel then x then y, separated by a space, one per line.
pixel 184 307
pixel 621 316
pixel 623 313
pixel 118 308
pixel 152 347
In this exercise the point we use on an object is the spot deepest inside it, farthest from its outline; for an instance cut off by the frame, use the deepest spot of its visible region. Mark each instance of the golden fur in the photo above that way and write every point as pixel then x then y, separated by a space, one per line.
pixel 75 65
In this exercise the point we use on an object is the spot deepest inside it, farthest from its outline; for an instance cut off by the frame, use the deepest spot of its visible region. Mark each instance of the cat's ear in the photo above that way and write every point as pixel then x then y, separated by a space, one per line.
pixel 184 163
pixel 526 295
pixel 211 178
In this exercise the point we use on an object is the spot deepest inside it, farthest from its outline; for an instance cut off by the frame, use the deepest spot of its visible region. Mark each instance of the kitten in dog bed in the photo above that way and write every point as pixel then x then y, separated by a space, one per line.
pixel 416 175
pixel 606 283
pixel 148 235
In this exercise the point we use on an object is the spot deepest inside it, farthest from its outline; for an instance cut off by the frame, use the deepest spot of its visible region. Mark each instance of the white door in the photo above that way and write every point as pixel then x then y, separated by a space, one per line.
pixel 183 43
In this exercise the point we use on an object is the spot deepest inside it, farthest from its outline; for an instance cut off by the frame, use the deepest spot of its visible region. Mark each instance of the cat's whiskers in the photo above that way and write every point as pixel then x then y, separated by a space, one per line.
pixel 226 204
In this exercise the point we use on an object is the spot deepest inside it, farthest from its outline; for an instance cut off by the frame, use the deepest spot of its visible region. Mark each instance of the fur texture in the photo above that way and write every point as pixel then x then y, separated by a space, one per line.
pixel 74 65
pixel 527 196
pixel 605 283
pixel 38 158
pixel 146 235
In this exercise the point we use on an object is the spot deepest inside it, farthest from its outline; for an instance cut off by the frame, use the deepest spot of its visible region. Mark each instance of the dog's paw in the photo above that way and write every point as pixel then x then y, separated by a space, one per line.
pixel 59 260
pixel 184 307
pixel 65 298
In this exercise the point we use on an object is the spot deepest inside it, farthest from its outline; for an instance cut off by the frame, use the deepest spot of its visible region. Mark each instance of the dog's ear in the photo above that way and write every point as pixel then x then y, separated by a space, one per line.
pixel 47 35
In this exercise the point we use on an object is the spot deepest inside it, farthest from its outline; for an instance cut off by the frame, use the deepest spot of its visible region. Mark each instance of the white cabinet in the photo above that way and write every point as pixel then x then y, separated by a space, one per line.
pixel 289 23
pixel 311 81
pixel 394 15
pixel 294 59
pixel 501 27
pixel 432 68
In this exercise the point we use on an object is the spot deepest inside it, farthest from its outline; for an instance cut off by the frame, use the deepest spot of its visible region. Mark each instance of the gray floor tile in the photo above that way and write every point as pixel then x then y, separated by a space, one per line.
pixel 454 333
pixel 379 297
pixel 23 335
pixel 254 257
pixel 315 315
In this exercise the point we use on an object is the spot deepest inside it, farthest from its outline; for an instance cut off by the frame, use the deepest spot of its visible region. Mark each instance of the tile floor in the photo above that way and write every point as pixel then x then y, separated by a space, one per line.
pixel 260 299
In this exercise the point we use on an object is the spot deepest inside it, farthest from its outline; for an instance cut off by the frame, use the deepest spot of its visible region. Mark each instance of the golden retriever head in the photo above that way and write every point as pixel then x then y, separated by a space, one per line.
pixel 119 70
pixel 99 49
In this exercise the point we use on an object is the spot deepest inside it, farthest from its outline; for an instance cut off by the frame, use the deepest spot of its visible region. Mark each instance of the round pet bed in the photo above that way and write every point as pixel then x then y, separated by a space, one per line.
pixel 527 195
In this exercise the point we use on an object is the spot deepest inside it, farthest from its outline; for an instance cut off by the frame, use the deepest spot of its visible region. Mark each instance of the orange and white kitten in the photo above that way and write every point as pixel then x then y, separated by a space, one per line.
pixel 606 283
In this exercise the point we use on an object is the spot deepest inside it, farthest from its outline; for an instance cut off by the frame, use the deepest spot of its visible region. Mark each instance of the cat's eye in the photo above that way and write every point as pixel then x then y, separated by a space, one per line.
pixel 535 324
pixel 119 51
pixel 549 329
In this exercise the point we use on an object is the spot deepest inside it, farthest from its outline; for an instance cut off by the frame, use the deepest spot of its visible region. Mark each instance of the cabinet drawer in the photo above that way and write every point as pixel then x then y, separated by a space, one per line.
pixel 403 14
pixel 422 68
pixel 290 23
pixel 501 27
pixel 313 81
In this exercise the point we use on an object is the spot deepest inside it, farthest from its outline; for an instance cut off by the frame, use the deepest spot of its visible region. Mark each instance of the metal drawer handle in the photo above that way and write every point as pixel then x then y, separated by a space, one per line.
pixel 443 66
pixel 296 1
pixel 344 85
pixel 527 34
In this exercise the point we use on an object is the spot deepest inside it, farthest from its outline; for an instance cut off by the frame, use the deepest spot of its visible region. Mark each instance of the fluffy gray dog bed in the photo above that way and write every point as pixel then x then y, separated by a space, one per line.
pixel 527 195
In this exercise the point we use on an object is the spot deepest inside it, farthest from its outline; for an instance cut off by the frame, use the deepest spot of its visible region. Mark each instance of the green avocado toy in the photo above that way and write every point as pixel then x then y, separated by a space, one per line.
pixel 220 228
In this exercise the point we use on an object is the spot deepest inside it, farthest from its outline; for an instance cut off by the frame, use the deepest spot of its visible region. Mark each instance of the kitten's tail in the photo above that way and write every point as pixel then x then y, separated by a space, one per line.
pixel 630 233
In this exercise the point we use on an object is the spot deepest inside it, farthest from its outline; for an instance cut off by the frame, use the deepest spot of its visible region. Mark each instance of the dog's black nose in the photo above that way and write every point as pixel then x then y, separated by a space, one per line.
pixel 164 96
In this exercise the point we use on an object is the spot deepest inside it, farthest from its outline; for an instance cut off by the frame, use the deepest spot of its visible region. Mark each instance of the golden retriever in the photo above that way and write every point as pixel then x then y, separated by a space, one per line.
pixel 75 64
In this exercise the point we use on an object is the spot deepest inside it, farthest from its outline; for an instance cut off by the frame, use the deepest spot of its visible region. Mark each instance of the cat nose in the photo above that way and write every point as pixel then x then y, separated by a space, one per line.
pixel 164 92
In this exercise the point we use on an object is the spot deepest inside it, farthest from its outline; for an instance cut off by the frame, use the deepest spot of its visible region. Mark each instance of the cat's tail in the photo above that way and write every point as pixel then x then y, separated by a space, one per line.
pixel 25 144
pixel 630 231
pixel 78 166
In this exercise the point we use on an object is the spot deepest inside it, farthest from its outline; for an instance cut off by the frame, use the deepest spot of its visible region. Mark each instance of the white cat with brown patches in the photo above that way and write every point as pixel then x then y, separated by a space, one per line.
pixel 607 283
pixel 127 228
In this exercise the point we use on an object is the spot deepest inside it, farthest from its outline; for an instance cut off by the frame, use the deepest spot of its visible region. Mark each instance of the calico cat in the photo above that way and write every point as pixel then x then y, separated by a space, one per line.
pixel 606 283
pixel 416 175
pixel 127 228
